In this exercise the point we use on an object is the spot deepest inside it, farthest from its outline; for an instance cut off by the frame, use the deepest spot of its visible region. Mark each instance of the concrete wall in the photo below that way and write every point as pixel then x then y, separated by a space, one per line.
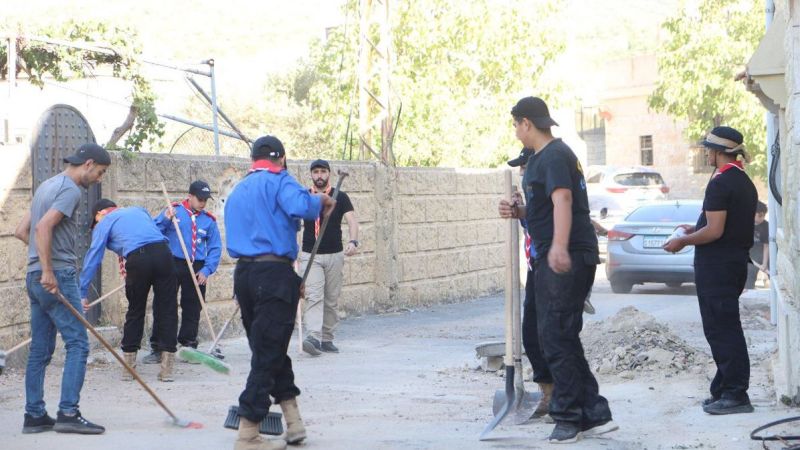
pixel 427 235
pixel 787 282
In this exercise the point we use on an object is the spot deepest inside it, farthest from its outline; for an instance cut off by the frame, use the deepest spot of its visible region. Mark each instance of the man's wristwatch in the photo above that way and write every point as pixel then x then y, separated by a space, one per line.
pixel 354 242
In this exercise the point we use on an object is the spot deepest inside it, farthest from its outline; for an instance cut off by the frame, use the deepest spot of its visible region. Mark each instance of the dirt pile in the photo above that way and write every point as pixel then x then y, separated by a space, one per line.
pixel 633 341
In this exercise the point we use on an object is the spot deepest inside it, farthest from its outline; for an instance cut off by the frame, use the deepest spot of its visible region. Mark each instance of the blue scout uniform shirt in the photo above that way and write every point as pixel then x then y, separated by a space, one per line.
pixel 208 245
pixel 262 212
pixel 121 231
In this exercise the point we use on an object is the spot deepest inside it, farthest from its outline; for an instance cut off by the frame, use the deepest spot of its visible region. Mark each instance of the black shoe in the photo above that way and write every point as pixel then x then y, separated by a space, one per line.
pixel 37 424
pixel 709 401
pixel 76 424
pixel 312 346
pixel 153 358
pixel 328 347
pixel 728 406
pixel 599 427
pixel 565 433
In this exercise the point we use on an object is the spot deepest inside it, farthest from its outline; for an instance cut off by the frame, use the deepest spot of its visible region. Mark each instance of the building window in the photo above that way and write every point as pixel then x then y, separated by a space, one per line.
pixel 646 150
pixel 699 161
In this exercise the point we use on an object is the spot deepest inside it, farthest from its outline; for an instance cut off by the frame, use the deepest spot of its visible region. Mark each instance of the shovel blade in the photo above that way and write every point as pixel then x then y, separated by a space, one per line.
pixel 508 404
pixel 524 405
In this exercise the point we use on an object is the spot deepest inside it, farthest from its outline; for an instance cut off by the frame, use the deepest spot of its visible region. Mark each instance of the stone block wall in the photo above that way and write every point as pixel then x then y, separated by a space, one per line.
pixel 427 235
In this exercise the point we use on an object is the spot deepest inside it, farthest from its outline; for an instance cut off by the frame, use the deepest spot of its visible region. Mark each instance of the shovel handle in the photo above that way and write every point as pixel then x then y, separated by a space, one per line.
pixel 508 358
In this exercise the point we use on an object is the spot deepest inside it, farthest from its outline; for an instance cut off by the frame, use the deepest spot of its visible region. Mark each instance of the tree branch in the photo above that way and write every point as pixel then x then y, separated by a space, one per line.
pixel 126 126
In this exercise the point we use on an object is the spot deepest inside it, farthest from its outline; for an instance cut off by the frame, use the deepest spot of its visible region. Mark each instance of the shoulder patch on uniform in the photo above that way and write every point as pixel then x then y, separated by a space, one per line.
pixel 213 217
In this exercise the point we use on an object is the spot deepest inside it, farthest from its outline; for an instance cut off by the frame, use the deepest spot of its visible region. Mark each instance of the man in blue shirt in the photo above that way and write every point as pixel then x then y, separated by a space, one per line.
pixel 262 218
pixel 132 235
pixel 203 243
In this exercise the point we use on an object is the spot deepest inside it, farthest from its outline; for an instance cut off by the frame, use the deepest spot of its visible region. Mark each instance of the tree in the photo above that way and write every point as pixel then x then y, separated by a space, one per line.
pixel 458 68
pixel 39 60
pixel 705 50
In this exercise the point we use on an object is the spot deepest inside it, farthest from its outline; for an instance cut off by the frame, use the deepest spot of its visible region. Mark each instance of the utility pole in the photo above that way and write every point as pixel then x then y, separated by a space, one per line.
pixel 374 83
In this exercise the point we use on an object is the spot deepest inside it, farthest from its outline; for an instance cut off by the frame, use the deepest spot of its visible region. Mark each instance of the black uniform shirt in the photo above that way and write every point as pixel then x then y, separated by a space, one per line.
pixel 760 239
pixel 730 191
pixel 332 239
pixel 556 166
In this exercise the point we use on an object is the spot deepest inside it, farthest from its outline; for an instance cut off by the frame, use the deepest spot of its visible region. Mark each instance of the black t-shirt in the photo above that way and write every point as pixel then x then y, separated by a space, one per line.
pixel 556 166
pixel 730 191
pixel 332 239
pixel 760 239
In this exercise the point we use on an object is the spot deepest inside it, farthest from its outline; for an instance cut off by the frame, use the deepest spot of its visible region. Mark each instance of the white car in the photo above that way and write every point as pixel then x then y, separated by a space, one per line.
pixel 616 191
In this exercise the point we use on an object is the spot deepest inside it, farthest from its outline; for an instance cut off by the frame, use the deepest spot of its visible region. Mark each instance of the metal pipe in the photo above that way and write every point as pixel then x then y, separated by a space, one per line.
pixel 199 125
pixel 214 109
pixel 220 111
pixel 11 65
pixel 772 132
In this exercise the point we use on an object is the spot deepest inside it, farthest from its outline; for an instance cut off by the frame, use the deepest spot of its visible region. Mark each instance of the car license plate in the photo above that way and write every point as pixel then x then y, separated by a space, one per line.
pixel 654 241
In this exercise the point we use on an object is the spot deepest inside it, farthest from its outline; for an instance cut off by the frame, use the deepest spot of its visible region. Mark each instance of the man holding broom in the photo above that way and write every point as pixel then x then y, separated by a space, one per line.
pixel 262 218
pixel 49 229
pixel 201 234
pixel 134 237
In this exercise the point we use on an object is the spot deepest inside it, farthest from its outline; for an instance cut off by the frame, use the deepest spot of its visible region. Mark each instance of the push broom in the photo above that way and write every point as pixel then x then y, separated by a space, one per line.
pixel 188 353
pixel 175 420
pixel 4 354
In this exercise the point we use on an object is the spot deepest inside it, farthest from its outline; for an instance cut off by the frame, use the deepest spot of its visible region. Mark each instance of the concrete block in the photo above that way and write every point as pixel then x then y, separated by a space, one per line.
pixel 466 183
pixel 427 238
pixel 16 309
pixel 436 209
pixel 412 210
pixel 13 259
pixel 407 238
pixel 129 175
pixel 173 173
pixel 412 267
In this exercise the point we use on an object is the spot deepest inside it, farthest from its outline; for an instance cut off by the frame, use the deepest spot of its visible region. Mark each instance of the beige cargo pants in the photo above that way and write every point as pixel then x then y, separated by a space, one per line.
pixel 323 287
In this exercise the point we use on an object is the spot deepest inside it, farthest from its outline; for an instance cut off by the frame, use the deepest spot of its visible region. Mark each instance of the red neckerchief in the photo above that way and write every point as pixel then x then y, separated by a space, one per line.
pixel 193 215
pixel 731 165
pixel 528 250
pixel 316 222
pixel 104 212
pixel 265 164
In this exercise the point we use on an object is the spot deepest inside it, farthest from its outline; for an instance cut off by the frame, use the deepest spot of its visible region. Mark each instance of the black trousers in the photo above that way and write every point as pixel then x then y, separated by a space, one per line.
pixel 559 308
pixel 530 332
pixel 190 305
pixel 718 290
pixel 268 293
pixel 151 266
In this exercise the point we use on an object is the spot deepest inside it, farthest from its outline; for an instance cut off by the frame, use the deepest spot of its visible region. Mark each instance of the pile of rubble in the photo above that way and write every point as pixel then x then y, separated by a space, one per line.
pixel 632 341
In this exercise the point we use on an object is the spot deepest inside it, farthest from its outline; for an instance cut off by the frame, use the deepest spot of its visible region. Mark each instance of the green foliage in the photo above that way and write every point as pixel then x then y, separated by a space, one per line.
pixel 40 60
pixel 705 50
pixel 457 69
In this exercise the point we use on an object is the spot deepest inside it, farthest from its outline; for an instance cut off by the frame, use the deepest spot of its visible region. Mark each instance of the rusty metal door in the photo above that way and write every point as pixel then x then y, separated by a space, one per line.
pixel 60 131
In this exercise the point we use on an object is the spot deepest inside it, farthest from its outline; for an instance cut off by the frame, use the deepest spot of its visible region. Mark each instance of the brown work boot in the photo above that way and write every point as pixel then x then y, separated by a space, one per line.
pixel 295 431
pixel 544 403
pixel 130 359
pixel 249 439
pixel 167 364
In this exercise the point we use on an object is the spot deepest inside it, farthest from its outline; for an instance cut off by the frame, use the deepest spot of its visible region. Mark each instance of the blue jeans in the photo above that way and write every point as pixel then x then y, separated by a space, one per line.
pixel 48 315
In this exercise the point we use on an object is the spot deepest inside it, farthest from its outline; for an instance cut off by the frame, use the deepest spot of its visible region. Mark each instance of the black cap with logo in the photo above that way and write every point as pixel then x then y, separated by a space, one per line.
pixel 535 110
pixel 89 151
pixel 522 159
pixel 200 189
pixel 267 146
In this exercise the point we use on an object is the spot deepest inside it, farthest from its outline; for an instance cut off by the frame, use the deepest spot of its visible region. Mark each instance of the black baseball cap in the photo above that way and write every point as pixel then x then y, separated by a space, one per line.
pixel 200 189
pixel 100 205
pixel 320 163
pixel 89 151
pixel 535 110
pixel 522 159
pixel 267 146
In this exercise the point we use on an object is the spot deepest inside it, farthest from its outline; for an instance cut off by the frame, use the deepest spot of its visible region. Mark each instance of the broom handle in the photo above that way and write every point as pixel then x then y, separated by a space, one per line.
pixel 224 327
pixel 108 347
pixel 28 341
pixel 200 297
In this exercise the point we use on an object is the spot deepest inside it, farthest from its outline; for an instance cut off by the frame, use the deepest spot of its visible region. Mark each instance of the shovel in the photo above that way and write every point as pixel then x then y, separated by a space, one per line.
pixel 507 397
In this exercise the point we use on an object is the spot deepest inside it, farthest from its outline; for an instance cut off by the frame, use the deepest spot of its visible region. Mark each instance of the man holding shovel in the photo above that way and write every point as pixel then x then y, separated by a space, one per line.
pixel 262 218
pixel 557 215
pixel 132 235
pixel 200 232
pixel 49 229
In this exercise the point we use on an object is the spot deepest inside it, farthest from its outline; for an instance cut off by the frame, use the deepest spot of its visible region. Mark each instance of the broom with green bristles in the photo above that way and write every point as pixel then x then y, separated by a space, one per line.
pixel 207 358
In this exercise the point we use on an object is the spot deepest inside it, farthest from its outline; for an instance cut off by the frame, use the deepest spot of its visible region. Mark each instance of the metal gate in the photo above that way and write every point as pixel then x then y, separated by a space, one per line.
pixel 60 131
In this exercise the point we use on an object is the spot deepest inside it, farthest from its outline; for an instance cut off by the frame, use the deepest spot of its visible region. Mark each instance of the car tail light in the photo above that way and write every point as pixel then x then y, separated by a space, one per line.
pixel 616 190
pixel 616 235
pixel 665 189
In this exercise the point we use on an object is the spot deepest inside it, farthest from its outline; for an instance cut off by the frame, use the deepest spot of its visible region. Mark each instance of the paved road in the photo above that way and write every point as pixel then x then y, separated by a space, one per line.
pixel 403 381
